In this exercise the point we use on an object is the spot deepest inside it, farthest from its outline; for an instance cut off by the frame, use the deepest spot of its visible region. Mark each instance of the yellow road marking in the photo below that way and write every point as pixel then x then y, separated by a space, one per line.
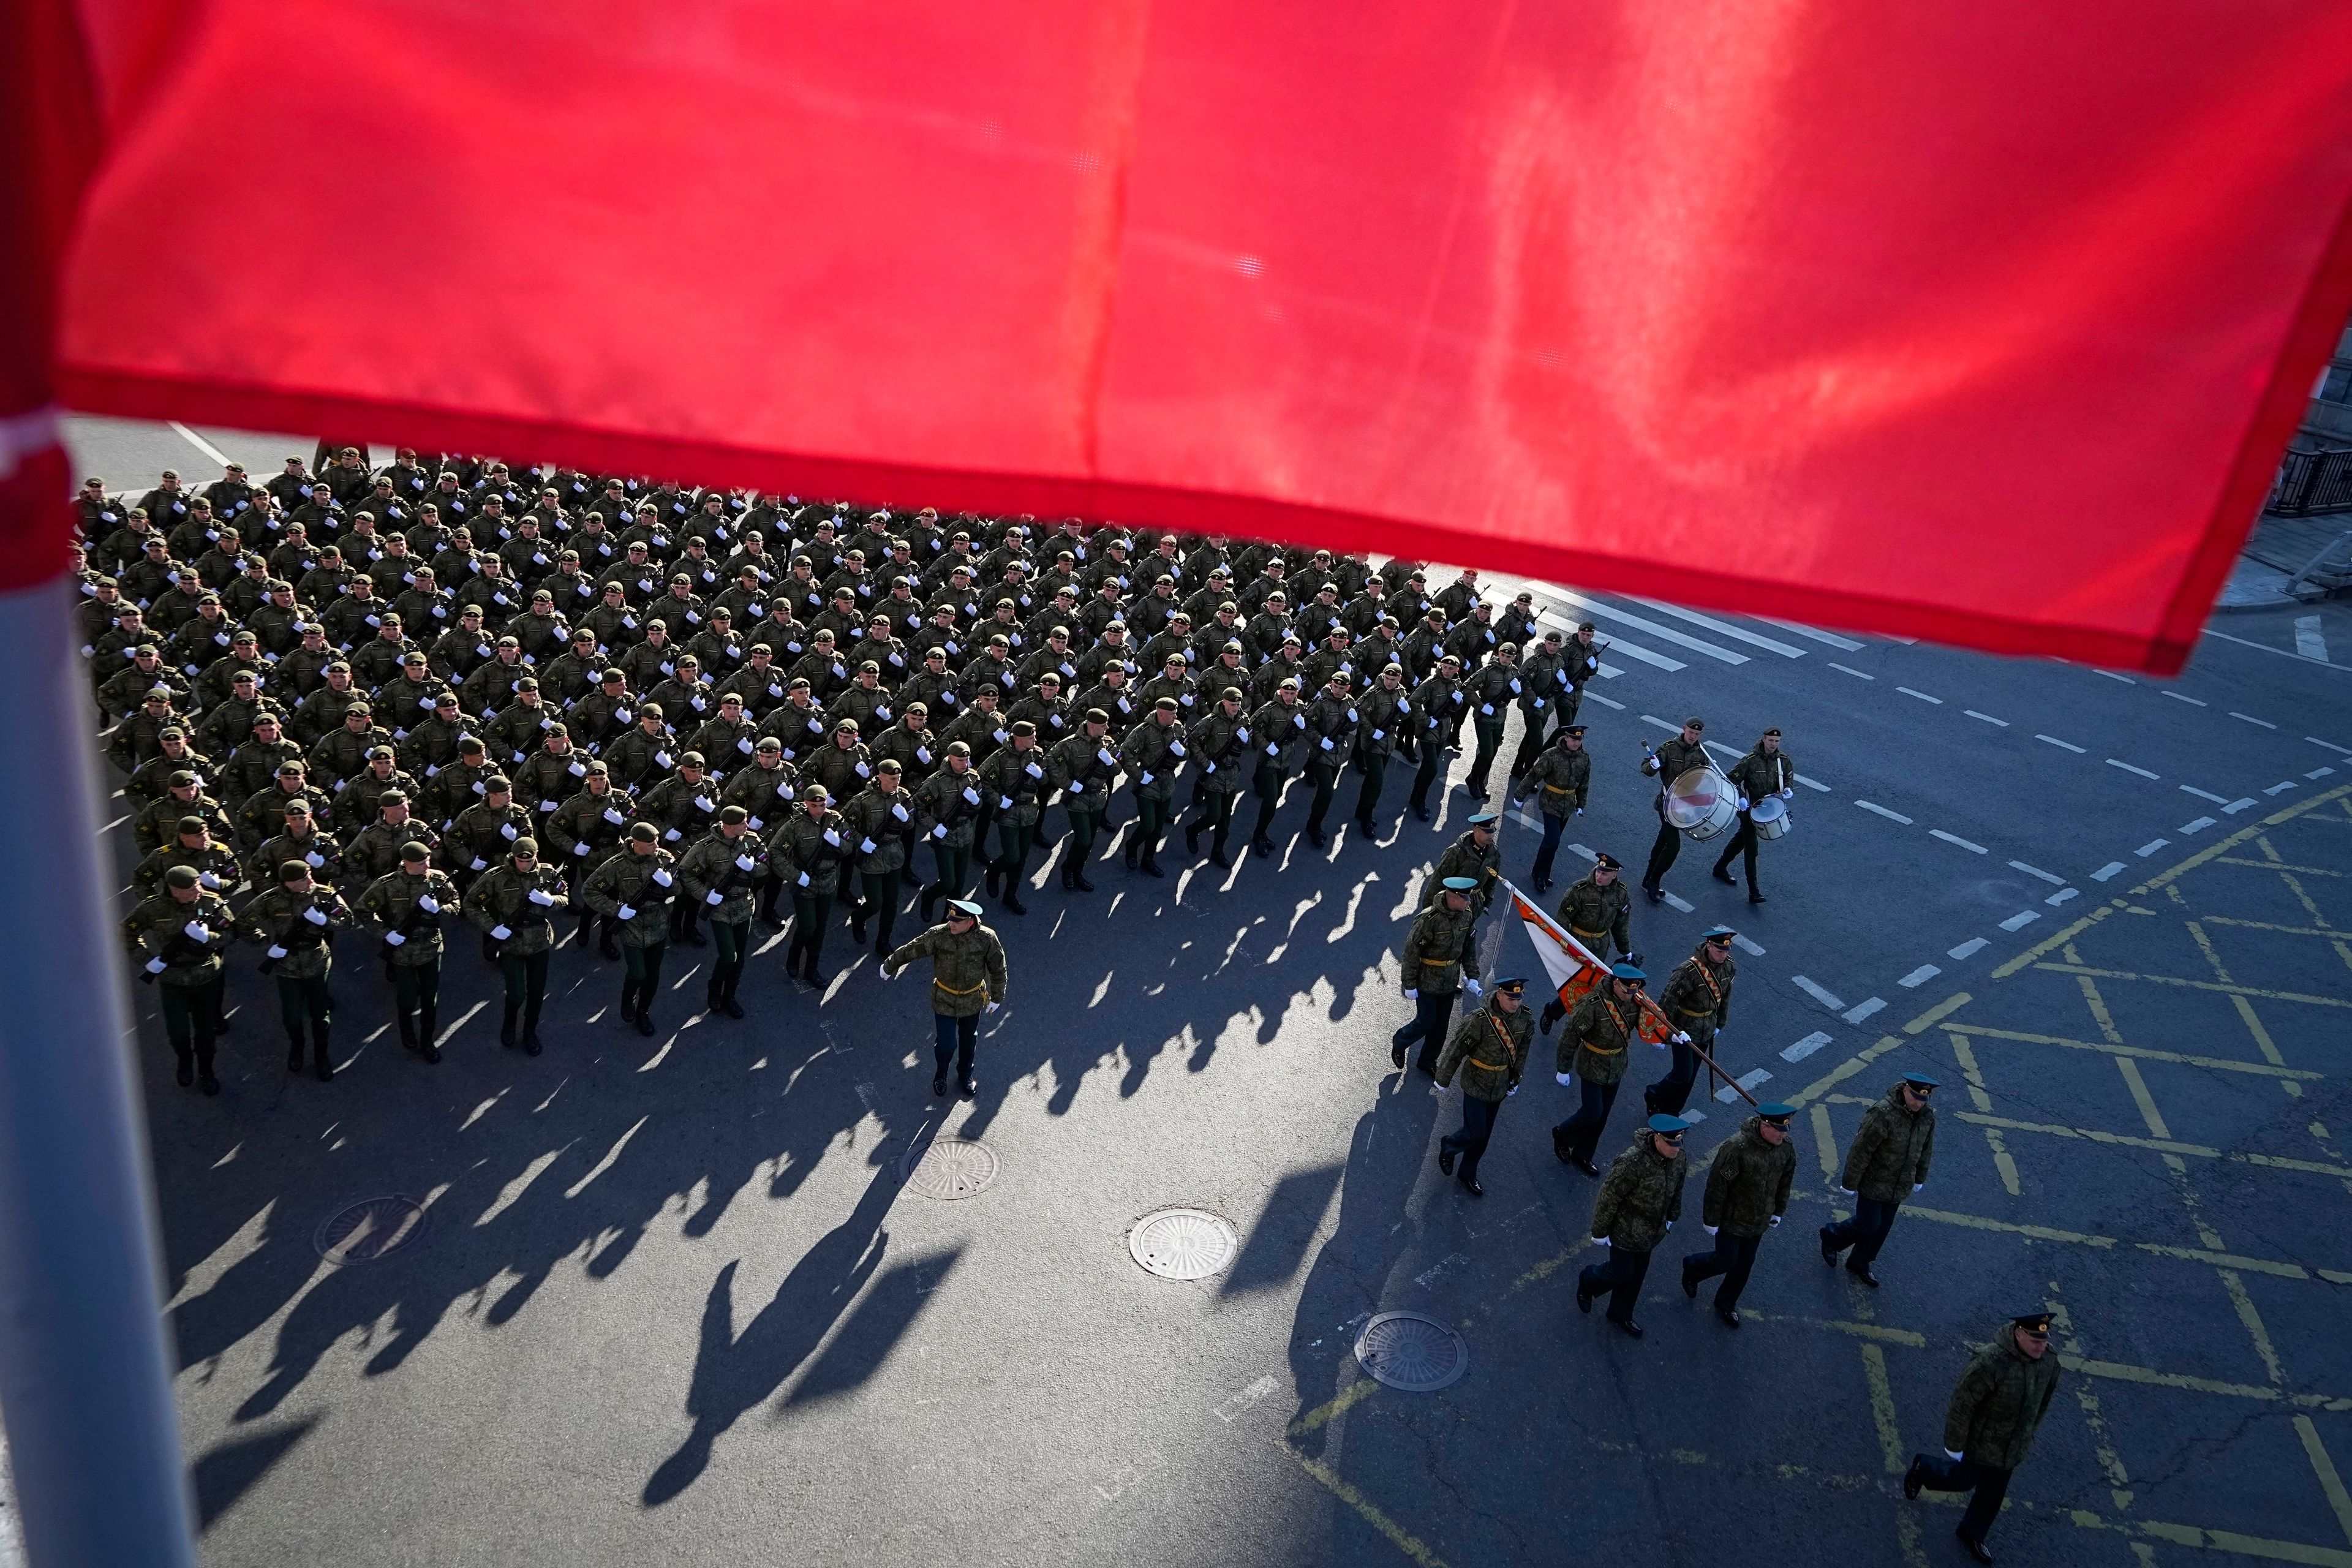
pixel 2253 1322
pixel 2278 865
pixel 2200 985
pixel 2329 1481
pixel 1937 1013
pixel 2141 1098
pixel 2086 1397
pixel 2272 925
pixel 1890 1445
pixel 1355 1394
pixel 2001 1160
pixel 1825 1140
pixel 2125 1140
pixel 2247 1545
pixel 2145 1053
pixel 1397 1535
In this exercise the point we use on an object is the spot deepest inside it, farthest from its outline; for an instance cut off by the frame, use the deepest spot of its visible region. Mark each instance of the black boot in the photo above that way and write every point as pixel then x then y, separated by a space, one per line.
pixel 1012 899
pixel 322 1059
pixel 1217 855
pixel 604 943
pixel 994 881
pixel 530 1037
pixel 644 1018
pixel 1364 826
pixel 1264 847
pixel 1723 875
pixel 294 1050
pixel 930 898
pixel 1192 840
pixel 187 1071
pixel 1078 880
pixel 1067 867
pixel 628 1001
pixel 1127 851
pixel 1151 861
pixel 427 1025
pixel 1314 834
pixel 507 1028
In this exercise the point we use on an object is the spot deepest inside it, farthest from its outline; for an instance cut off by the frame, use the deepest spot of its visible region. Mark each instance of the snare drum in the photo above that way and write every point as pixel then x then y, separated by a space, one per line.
pixel 1770 817
pixel 1701 804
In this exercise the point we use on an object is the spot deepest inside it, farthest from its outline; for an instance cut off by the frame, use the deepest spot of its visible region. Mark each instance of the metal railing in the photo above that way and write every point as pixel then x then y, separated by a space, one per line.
pixel 2312 484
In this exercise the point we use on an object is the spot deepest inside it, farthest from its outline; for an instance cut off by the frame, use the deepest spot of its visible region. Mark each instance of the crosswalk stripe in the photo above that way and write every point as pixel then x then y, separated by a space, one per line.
pixel 1630 650
pixel 1725 628
pixel 1679 640
pixel 1832 639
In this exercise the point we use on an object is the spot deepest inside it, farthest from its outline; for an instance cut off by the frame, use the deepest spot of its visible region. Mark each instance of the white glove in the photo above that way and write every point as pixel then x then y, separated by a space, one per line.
pixel 428 904
pixel 541 897
pixel 1486 708
pixel 1681 1039
pixel 1177 746
pixel 1327 742
pixel 209 882
pixel 1776 1221
pixel 887 972
pixel 1788 794
pixel 1510 1091
pixel 865 846
pixel 1146 778
pixel 970 796
pixel 663 878
pixel 1670 1225
pixel 1273 750
pixel 1033 770
pixel 1743 804
pixel 478 864
pixel 1077 786
pixel 940 831
pixel 1919 1186
pixel 196 931
pixel 900 811
pixel 316 917
pixel 1708 1228
pixel 1562 1078
pixel 499 934
pixel 612 814
pixel 805 881
pixel 506 831
pixel 1847 1191
pixel 580 848
pixel 1472 986
pixel 991 1007
pixel 833 838
pixel 155 966
pixel 1600 1241
pixel 395 939
pixel 714 898
pixel 1956 1457
pixel 625 912
pixel 1004 803
pixel 277 951
pixel 1411 994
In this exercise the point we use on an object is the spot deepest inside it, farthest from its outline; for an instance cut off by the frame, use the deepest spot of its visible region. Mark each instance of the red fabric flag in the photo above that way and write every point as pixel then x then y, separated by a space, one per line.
pixel 1985 324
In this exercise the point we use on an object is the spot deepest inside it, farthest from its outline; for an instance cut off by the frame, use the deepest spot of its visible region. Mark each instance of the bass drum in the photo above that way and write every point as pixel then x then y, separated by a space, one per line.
pixel 1701 804
pixel 1770 817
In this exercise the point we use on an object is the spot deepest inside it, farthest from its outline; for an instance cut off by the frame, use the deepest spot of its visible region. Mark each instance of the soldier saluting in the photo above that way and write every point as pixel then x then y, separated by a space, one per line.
pixel 1996 1409
pixel 968 980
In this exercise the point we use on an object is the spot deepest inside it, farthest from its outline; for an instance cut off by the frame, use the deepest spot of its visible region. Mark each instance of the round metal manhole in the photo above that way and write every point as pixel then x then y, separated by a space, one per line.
pixel 948 1168
pixel 369 1230
pixel 1412 1352
pixel 1183 1244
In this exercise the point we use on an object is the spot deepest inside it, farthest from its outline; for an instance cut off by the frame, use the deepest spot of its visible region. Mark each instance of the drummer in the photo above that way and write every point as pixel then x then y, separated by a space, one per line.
pixel 1764 774
pixel 1667 763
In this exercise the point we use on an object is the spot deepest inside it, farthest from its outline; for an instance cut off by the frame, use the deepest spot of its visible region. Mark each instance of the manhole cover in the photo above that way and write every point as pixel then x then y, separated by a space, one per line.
pixel 1408 1351
pixel 1182 1244
pixel 369 1230
pixel 948 1168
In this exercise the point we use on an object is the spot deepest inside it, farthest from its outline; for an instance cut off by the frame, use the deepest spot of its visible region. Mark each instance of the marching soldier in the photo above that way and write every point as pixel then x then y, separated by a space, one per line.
pixel 1698 1002
pixel 1559 779
pixel 1220 742
pixel 1747 1194
pixel 406 905
pixel 1764 772
pixel 721 873
pixel 1439 959
pixel 632 889
pixel 293 923
pixel 1476 855
pixel 192 845
pixel 298 838
pixel 1437 710
pixel 586 830
pixel 1488 694
pixel 1012 785
pixel 1150 754
pixel 1666 764
pixel 1637 1204
pixel 1592 1049
pixel 1086 770
pixel 805 852
pixel 1890 1152
pixel 968 979
pixel 1543 681
pixel 1332 725
pixel 514 903
pixel 1490 1048
pixel 1997 1407
pixel 1597 912
pixel 177 937
pixel 878 818
pixel 1386 710
pixel 1276 730
pixel 948 806
pixel 485 831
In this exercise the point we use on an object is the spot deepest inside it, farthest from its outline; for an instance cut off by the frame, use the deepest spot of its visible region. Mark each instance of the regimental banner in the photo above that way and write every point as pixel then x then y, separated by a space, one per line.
pixel 1573 968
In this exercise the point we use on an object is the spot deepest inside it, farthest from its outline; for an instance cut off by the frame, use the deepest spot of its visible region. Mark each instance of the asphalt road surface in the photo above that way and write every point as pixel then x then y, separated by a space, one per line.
pixel 669 1301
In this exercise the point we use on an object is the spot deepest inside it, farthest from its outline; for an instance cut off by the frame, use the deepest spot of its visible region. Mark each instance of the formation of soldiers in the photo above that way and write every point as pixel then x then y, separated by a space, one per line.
pixel 588 710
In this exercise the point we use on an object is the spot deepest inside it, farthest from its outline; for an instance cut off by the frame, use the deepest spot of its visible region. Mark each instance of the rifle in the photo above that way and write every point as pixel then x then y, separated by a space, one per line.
pixel 182 947
pixel 297 935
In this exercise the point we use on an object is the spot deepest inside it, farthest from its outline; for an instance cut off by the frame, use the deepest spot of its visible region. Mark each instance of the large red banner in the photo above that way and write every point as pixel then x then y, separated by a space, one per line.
pixel 1982 323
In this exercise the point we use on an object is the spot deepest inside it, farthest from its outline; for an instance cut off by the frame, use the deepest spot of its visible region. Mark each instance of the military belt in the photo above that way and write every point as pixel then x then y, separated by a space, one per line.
pixel 1695 1013
pixel 1558 789
pixel 1440 962
pixel 954 990
pixel 1603 1050
pixel 1490 1066
pixel 1579 930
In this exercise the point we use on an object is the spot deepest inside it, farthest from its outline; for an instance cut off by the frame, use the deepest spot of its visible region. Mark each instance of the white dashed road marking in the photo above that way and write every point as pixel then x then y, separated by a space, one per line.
pixel 2020 919
pixel 1860 1010
pixel 1811 782
pixel 2192 701
pixel 1985 716
pixel 2320 773
pixel 2127 767
pixel 2235 806
pixel 2052 878
pixel 1918 977
pixel 2107 870
pixel 1858 674
pixel 1748 1080
pixel 2330 746
pixel 2202 794
pixel 2062 745
pixel 2309 640
pixel 1921 695
pixel 1831 638
pixel 1878 810
pixel 2199 825
pixel 1725 628
pixel 1817 993
pixel 2279 787
pixel 2111 675
pixel 1956 838
pixel 1805 1047
pixel 1746 946
pixel 2251 720
pixel 1969 948
pixel 1678 905
pixel 2150 847
pixel 2062 894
